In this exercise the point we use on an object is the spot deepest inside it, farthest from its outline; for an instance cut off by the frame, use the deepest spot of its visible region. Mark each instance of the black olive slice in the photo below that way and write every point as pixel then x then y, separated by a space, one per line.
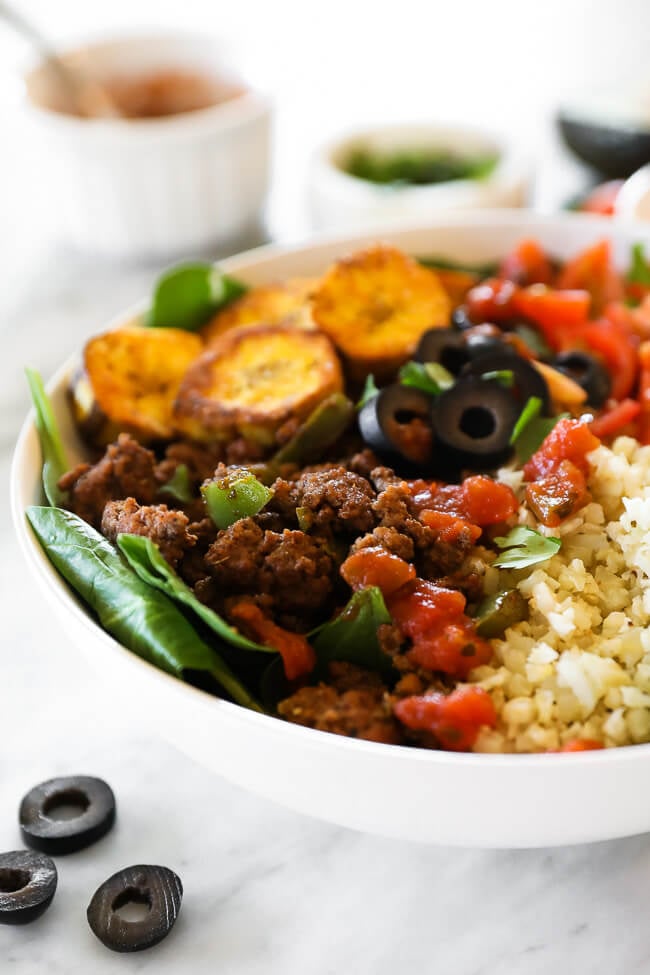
pixel 479 345
pixel 27 885
pixel 445 346
pixel 398 421
pixel 460 318
pixel 527 380
pixel 588 372
pixel 474 420
pixel 42 826
pixel 151 891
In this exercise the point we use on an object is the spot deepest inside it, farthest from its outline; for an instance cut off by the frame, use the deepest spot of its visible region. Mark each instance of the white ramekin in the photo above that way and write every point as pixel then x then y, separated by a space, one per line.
pixel 339 201
pixel 152 188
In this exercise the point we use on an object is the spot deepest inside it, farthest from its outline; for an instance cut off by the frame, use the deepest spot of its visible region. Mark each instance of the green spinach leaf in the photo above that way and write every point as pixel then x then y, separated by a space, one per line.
pixel 141 618
pixel 55 463
pixel 352 636
pixel 188 295
pixel 145 559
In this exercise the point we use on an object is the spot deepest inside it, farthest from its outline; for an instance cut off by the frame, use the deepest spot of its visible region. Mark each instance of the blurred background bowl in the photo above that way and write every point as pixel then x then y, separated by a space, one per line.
pixel 155 187
pixel 340 201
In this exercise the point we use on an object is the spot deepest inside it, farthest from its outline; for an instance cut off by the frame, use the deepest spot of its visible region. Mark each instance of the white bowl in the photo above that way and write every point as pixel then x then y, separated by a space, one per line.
pixel 342 202
pixel 429 796
pixel 633 198
pixel 154 187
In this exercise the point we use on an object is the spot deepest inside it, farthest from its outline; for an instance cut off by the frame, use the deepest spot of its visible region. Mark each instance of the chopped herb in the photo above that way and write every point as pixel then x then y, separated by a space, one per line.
pixel 179 485
pixel 430 377
pixel 370 390
pixel 505 377
pixel 531 429
pixel 639 272
pixel 417 167
pixel 524 546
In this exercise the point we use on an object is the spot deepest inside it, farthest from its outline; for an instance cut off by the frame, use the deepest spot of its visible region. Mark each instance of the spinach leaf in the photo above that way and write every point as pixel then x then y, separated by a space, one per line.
pixel 142 619
pixel 188 295
pixel 531 429
pixel 179 485
pixel 370 390
pixel 352 636
pixel 639 272
pixel 524 547
pixel 145 559
pixel 430 377
pixel 55 463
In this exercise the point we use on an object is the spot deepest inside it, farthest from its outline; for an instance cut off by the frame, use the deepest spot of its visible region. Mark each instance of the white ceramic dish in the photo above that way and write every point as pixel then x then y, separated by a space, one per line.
pixel 432 797
pixel 342 202
pixel 153 188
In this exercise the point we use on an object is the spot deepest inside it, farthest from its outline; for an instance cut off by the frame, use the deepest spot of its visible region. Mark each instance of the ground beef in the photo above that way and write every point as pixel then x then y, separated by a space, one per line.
pixel 192 566
pixel 127 470
pixel 290 566
pixel 390 539
pixel 363 462
pixel 434 558
pixel 201 460
pixel 331 498
pixel 167 528
pixel 354 702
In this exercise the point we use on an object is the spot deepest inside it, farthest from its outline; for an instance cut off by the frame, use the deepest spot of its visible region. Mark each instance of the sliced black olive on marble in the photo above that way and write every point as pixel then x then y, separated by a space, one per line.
pixel 527 381
pixel 587 372
pixel 27 885
pixel 445 346
pixel 398 422
pixel 66 814
pixel 474 421
pixel 135 908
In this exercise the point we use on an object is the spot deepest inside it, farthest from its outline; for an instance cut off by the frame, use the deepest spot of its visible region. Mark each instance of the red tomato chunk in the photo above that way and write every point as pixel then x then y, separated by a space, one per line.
pixel 454 720
pixel 557 473
pixel 297 654
pixel 527 264
pixel 479 499
pixel 444 638
pixel 568 440
pixel 377 567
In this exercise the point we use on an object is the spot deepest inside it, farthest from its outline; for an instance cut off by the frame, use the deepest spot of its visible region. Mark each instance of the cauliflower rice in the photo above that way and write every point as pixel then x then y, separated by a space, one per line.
pixel 579 667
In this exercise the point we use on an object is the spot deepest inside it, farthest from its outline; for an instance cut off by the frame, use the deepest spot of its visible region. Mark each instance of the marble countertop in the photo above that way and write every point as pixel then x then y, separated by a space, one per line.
pixel 265 890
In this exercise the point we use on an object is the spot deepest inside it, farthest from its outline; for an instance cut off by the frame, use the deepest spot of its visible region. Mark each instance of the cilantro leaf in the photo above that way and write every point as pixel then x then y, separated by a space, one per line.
pixel 430 377
pixel 370 390
pixel 523 547
pixel 531 429
pixel 639 272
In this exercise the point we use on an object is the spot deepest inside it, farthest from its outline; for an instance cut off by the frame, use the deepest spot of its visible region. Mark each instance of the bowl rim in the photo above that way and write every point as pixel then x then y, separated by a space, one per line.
pixel 251 104
pixel 268 724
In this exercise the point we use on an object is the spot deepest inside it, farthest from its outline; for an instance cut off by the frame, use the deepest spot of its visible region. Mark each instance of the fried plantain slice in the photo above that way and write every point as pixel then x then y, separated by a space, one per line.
pixel 375 305
pixel 286 301
pixel 128 382
pixel 253 380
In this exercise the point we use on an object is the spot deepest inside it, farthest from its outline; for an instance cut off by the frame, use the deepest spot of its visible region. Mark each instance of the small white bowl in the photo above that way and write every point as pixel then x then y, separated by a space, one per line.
pixel 339 201
pixel 411 793
pixel 153 187
pixel 633 198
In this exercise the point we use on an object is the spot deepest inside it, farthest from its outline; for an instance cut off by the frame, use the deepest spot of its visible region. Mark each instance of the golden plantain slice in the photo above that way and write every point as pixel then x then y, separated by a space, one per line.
pixel 129 380
pixel 253 380
pixel 375 305
pixel 270 304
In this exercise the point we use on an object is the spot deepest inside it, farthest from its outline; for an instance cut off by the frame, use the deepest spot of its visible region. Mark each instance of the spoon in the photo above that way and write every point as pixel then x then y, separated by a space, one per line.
pixel 84 96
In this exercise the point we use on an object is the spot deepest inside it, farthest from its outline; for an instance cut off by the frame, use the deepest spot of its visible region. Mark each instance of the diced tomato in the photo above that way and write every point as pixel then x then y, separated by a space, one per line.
pixel 593 271
pixel 616 419
pixel 558 314
pixel 478 500
pixel 450 528
pixel 486 502
pixel 491 301
pixel 527 264
pixel 377 567
pixel 602 198
pixel 618 348
pixel 297 654
pixel 581 745
pixel 643 428
pixel 568 440
pixel 454 720
pixel 443 638
pixel 555 496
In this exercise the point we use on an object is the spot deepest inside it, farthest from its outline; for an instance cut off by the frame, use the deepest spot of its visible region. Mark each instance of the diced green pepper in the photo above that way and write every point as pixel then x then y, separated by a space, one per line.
pixel 496 613
pixel 239 495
